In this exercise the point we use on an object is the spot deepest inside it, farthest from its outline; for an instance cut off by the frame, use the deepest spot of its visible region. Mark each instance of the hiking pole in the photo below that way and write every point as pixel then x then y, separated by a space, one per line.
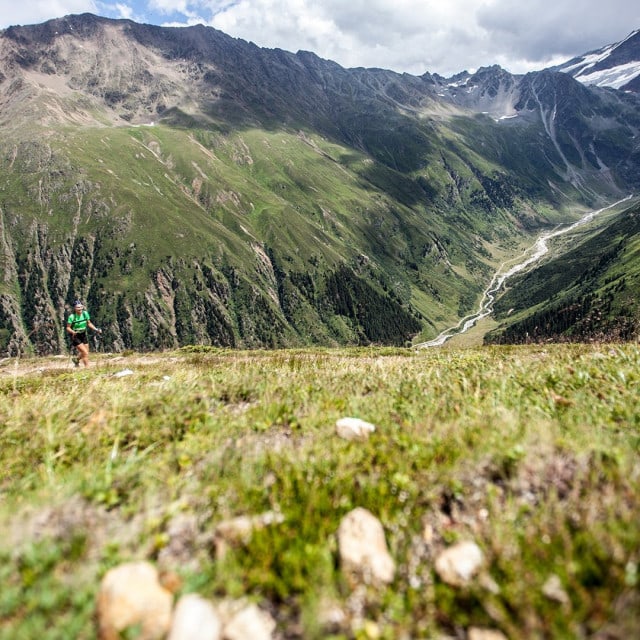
pixel 96 339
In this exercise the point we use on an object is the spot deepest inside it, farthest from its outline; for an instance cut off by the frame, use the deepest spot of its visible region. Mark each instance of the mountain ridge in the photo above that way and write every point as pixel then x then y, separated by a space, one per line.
pixel 171 175
pixel 616 65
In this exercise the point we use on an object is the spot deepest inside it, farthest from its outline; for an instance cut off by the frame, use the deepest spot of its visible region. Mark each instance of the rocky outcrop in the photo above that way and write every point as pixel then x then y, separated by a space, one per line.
pixel 13 338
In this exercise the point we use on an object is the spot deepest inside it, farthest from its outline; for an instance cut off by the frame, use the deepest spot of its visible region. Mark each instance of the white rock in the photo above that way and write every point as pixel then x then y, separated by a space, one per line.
pixel 195 618
pixel 131 594
pixel 553 590
pixel 331 615
pixel 458 564
pixel 363 548
pixel 476 633
pixel 354 429
pixel 250 623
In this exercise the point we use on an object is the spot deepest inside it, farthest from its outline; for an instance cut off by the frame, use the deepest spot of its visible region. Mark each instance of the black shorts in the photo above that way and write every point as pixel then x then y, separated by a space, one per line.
pixel 79 338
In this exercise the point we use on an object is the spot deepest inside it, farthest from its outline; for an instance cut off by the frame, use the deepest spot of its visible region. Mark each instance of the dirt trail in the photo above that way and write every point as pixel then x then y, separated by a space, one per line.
pixel 16 367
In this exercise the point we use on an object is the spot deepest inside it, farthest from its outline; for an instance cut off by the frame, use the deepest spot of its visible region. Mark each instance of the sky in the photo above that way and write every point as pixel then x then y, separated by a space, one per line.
pixel 412 36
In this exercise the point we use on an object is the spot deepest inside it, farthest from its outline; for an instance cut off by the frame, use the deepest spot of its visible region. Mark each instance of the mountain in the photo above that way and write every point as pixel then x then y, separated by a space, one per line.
pixel 588 293
pixel 616 65
pixel 195 188
pixel 589 134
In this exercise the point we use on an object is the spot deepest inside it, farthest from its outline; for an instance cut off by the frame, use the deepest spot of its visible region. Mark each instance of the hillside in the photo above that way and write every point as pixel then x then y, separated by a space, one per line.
pixel 194 188
pixel 225 471
pixel 588 293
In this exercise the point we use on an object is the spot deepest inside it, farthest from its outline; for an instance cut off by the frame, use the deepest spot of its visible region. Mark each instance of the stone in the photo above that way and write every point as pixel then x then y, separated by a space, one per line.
pixel 354 429
pixel 553 590
pixel 458 564
pixel 331 615
pixel 195 618
pixel 131 595
pixel 476 633
pixel 363 548
pixel 249 623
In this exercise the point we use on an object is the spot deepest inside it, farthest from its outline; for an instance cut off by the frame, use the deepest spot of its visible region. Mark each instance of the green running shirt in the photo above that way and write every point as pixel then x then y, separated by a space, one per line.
pixel 79 322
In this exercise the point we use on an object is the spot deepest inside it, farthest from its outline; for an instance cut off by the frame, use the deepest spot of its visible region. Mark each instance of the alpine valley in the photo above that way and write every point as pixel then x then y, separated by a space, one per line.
pixel 193 188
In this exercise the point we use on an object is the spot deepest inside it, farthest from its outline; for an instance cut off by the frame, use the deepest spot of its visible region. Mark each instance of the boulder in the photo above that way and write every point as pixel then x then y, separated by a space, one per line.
pixel 363 548
pixel 131 595
pixel 458 564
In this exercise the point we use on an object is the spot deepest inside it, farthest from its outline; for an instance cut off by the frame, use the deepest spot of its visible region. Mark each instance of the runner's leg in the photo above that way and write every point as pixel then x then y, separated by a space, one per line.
pixel 83 353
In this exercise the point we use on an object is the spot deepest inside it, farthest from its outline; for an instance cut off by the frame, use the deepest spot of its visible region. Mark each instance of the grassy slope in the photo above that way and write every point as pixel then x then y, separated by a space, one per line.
pixel 531 452
pixel 590 290
pixel 196 194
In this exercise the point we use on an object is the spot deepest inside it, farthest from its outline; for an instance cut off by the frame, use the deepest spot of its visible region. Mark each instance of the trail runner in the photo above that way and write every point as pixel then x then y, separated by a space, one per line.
pixel 77 324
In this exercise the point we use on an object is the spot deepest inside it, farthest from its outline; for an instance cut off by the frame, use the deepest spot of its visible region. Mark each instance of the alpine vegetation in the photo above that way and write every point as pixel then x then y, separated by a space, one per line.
pixel 491 491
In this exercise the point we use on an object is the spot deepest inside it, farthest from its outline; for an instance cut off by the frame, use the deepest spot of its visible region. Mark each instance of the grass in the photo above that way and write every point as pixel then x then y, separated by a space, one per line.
pixel 179 200
pixel 530 451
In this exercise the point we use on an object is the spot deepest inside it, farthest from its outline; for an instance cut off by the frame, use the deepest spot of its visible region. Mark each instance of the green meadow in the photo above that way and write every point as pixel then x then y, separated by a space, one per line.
pixel 532 452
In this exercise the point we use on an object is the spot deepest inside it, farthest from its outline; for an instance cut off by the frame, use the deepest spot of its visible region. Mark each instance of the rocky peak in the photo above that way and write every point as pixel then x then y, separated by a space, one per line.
pixel 616 65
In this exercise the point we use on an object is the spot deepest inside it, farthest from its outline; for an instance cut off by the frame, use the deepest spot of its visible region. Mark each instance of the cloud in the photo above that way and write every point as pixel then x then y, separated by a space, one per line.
pixel 537 29
pixel 431 35
pixel 36 11
pixel 125 11
pixel 404 35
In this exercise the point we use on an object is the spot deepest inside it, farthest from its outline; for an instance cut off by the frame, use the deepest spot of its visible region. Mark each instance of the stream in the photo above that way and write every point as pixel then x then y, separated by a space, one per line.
pixel 529 257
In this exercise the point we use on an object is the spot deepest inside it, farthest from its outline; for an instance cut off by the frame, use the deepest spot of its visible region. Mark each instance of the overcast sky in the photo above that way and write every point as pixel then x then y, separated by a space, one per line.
pixel 413 36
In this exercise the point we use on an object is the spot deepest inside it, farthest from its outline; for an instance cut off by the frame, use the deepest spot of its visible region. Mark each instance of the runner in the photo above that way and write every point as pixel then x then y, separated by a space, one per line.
pixel 77 324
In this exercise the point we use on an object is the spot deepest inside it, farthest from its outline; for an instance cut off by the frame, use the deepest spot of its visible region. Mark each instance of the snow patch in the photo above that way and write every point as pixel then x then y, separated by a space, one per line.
pixel 615 77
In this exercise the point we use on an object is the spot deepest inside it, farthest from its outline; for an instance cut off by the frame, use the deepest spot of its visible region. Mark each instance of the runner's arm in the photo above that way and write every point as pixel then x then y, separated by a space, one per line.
pixel 93 327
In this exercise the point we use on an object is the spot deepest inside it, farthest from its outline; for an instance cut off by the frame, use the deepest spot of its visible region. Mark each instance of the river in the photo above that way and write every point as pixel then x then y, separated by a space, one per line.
pixel 530 256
